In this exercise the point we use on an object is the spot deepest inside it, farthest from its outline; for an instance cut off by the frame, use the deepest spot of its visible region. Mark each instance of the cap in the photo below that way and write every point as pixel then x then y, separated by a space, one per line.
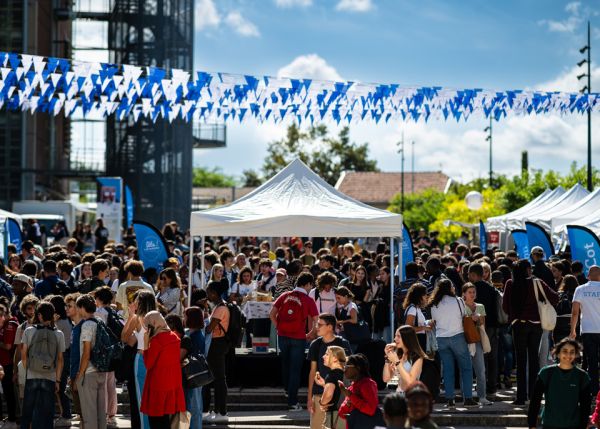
pixel 23 278
pixel 537 250
pixel 281 271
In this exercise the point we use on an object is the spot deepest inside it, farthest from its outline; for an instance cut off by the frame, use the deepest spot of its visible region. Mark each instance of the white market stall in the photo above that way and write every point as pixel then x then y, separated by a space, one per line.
pixel 543 216
pixel 498 223
pixel 296 202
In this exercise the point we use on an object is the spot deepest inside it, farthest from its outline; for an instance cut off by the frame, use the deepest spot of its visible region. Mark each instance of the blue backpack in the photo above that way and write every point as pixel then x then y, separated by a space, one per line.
pixel 107 351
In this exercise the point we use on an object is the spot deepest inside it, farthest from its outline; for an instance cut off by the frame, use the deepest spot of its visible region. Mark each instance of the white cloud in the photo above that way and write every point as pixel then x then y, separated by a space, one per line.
pixel 309 66
pixel 207 15
pixel 241 25
pixel 354 5
pixel 571 23
pixel 568 82
pixel 293 3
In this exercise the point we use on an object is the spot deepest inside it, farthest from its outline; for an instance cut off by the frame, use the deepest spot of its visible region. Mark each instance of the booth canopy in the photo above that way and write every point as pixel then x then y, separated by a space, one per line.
pixel 5 214
pixel 296 202
pixel 500 223
pixel 585 207
pixel 543 215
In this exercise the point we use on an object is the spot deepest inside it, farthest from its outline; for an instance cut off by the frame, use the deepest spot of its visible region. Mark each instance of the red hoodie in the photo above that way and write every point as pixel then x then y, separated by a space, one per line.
pixel 362 397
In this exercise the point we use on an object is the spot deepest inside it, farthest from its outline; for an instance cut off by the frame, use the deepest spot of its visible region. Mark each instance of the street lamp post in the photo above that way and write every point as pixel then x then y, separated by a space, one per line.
pixel 489 138
pixel 400 145
pixel 588 88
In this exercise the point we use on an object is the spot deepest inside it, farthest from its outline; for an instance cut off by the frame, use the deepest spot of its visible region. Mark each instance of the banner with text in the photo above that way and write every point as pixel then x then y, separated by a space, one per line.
pixel 483 244
pixel 537 236
pixel 110 205
pixel 585 246
pixel 408 254
pixel 128 206
pixel 15 235
pixel 152 248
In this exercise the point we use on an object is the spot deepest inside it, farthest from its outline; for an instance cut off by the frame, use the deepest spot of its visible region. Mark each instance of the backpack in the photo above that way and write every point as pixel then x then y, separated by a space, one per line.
pixel 564 305
pixel 41 354
pixel 234 332
pixel 114 322
pixel 430 376
pixel 292 310
pixel 107 350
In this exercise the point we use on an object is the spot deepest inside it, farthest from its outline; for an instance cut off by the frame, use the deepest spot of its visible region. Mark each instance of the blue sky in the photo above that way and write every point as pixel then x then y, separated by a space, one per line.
pixel 463 44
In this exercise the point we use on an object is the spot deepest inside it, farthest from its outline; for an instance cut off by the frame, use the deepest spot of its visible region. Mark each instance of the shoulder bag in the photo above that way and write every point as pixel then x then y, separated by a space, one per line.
pixel 546 310
pixel 196 372
pixel 470 328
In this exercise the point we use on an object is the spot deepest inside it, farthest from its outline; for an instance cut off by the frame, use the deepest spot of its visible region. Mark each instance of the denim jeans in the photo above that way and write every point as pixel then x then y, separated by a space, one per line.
pixel 545 349
pixel 591 347
pixel 64 401
pixel 292 358
pixel 193 403
pixel 491 359
pixel 527 338
pixel 453 349
pixel 479 368
pixel 506 350
pixel 38 404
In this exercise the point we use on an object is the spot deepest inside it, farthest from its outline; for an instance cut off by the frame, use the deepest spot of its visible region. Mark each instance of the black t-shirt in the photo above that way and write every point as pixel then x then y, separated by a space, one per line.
pixel 333 377
pixel 317 350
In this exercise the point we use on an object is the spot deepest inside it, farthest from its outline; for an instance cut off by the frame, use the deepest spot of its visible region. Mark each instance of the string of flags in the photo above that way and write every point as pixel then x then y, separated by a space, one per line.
pixel 53 85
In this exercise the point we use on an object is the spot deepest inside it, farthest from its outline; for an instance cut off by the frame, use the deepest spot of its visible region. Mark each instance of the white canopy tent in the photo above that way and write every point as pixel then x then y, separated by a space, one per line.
pixel 517 222
pixel 585 207
pixel 498 223
pixel 296 202
pixel 591 221
pixel 544 215
pixel 6 214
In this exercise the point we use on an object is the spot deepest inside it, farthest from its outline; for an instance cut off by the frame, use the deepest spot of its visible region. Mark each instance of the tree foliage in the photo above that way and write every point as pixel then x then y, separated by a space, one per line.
pixel 326 155
pixel 205 177
pixel 251 178
pixel 420 210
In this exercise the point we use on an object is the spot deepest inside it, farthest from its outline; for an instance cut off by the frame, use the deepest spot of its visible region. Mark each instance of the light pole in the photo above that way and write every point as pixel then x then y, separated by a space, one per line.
pixel 588 88
pixel 489 138
pixel 412 154
pixel 400 145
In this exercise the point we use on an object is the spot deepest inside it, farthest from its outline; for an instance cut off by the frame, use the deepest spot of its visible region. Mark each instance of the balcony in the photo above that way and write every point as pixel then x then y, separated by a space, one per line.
pixel 209 136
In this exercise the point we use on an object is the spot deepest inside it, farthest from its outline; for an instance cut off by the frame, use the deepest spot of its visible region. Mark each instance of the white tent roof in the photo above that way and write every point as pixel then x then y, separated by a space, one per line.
pixel 585 207
pixel 517 222
pixel 5 214
pixel 296 202
pixel 499 223
pixel 592 221
pixel 543 215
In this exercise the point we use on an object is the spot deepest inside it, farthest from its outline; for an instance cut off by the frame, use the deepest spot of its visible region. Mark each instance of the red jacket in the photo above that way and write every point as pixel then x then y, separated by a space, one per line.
pixel 363 397
pixel 163 389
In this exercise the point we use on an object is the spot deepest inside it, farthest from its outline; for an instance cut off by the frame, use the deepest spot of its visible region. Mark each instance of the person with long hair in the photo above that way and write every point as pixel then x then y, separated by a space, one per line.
pixel 566 391
pixel 477 312
pixel 162 396
pixel 134 334
pixel 169 294
pixel 413 305
pixel 566 291
pixel 334 359
pixel 360 407
pixel 448 311
pixel 404 358
pixel 382 300
pixel 521 305
pixel 359 288
pixel 346 310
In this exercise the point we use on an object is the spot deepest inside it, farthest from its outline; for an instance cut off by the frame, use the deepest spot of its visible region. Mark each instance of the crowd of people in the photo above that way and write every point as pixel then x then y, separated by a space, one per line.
pixel 74 324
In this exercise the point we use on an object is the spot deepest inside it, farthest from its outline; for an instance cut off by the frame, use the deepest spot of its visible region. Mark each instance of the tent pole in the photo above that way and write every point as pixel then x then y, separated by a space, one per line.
pixel 392 273
pixel 191 270
pixel 202 276
pixel 400 261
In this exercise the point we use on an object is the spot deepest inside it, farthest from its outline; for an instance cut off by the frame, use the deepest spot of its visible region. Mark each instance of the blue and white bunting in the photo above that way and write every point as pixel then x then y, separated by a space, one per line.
pixel 46 84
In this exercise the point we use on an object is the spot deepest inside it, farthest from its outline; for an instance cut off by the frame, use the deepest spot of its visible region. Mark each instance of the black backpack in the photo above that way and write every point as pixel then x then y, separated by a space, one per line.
pixel 430 377
pixel 236 322
pixel 114 322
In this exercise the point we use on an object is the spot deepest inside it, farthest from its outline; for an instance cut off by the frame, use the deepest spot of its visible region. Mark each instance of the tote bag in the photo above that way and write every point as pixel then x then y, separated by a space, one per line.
pixel 546 310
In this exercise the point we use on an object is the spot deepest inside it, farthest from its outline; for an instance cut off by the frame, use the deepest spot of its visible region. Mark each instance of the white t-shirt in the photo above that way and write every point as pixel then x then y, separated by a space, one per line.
pixel 243 289
pixel 326 301
pixel 88 334
pixel 588 297
pixel 126 292
pixel 416 312
pixel 448 317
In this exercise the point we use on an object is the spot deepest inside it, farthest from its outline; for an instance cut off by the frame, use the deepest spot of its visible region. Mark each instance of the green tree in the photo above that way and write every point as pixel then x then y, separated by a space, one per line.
pixel 205 177
pixel 251 178
pixel 420 210
pixel 325 155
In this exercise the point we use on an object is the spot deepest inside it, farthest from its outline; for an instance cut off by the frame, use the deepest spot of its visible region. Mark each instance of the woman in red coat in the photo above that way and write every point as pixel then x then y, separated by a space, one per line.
pixel 163 390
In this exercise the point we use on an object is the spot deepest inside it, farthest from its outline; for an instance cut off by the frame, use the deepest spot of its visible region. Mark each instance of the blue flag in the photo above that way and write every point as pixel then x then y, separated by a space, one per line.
pixel 128 206
pixel 585 246
pixel 15 236
pixel 537 236
pixel 521 244
pixel 482 237
pixel 4 241
pixel 408 254
pixel 152 248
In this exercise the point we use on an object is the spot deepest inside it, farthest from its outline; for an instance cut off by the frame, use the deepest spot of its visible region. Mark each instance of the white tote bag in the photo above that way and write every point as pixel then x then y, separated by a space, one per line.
pixel 546 310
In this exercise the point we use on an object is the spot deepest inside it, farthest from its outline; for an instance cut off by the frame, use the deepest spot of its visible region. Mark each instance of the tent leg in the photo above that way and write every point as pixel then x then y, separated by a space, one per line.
pixel 191 270
pixel 392 271
pixel 202 276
